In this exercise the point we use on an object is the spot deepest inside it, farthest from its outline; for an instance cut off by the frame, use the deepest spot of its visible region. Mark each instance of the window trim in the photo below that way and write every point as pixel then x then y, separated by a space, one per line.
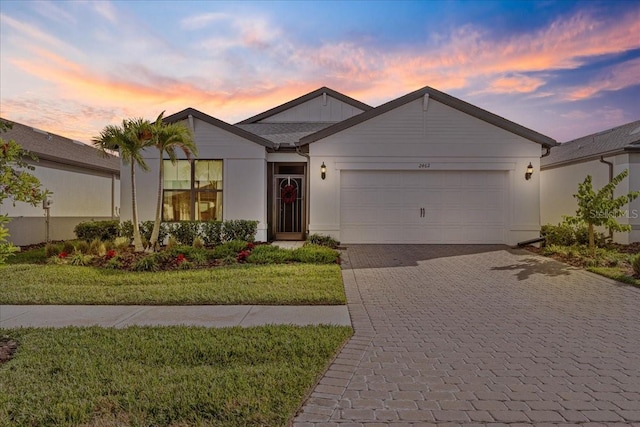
pixel 193 190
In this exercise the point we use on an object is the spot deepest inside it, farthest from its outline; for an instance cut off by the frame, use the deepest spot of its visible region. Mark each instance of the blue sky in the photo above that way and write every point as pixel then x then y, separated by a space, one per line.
pixel 562 68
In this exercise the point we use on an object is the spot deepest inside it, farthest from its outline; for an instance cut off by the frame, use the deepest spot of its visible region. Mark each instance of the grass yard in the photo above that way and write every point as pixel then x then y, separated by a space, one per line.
pixel 170 376
pixel 282 284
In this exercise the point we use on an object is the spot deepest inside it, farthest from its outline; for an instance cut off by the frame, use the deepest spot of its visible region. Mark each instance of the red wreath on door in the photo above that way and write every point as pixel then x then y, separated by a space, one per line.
pixel 289 194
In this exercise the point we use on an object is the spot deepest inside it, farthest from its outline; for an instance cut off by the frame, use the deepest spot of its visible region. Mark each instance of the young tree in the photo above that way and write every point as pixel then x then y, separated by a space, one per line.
pixel 600 208
pixel 16 184
pixel 167 138
pixel 130 140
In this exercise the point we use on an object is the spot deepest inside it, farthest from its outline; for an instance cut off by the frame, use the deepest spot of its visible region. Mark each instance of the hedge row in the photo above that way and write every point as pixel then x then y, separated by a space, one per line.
pixel 212 233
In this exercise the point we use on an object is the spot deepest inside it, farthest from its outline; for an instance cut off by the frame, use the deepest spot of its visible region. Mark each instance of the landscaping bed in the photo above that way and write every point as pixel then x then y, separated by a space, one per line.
pixel 163 376
pixel 613 261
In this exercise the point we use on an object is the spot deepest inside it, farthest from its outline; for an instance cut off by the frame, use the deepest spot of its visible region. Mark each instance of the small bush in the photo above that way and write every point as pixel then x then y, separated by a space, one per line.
pixel 229 260
pixel 80 259
pixel 635 264
pixel 321 240
pixel 198 243
pixel 82 246
pixel 102 230
pixel 268 254
pixel 97 247
pixel 52 249
pixel 146 229
pixel 185 232
pixel 114 263
pixel 315 254
pixel 68 247
pixel 192 254
pixel 148 263
pixel 121 243
pixel 239 229
pixel 126 230
pixel 212 233
pixel 566 234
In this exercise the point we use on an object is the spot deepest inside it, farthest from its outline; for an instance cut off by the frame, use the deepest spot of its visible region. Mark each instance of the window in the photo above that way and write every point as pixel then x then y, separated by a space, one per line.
pixel 192 190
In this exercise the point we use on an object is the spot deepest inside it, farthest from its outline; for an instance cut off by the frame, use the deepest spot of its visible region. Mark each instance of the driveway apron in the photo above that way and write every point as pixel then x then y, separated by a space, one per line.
pixel 480 335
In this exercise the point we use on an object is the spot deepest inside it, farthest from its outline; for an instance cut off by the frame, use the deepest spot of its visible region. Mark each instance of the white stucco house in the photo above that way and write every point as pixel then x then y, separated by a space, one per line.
pixel 85 186
pixel 423 168
pixel 601 155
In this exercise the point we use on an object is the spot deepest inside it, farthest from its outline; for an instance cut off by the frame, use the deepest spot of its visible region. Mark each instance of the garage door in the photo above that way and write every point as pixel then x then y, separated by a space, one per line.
pixel 423 206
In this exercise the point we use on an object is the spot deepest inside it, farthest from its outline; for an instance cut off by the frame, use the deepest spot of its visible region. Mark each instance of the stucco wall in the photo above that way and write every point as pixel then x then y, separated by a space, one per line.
pixel 244 177
pixel 445 138
pixel 78 195
pixel 559 184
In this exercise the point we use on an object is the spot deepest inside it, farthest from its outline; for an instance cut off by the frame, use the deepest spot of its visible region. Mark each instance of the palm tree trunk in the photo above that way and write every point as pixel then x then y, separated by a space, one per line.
pixel 156 226
pixel 137 240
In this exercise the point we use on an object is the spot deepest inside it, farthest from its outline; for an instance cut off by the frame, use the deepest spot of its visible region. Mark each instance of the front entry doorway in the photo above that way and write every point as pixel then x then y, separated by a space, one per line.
pixel 289 202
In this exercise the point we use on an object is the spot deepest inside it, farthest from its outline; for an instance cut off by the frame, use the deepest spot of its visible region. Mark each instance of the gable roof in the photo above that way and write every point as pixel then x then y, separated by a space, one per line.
pixel 184 114
pixel 58 149
pixel 304 98
pixel 286 134
pixel 442 97
pixel 611 141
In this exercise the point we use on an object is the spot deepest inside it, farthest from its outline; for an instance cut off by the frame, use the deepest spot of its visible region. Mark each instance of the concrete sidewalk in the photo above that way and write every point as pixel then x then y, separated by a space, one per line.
pixel 120 316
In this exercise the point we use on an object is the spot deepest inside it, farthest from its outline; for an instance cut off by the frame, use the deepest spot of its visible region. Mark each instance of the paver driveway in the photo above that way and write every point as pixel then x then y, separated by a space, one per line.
pixel 463 335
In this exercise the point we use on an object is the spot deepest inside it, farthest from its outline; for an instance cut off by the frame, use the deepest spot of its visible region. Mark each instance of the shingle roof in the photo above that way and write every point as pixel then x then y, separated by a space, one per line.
pixel 611 141
pixel 442 97
pixel 184 114
pixel 56 148
pixel 304 98
pixel 287 134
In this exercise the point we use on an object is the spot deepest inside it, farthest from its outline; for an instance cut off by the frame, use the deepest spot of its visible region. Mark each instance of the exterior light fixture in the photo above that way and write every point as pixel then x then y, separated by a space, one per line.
pixel 527 175
pixel 323 171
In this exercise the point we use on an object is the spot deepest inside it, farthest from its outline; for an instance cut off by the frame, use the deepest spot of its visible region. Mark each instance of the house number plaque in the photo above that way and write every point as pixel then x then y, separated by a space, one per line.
pixel 424 165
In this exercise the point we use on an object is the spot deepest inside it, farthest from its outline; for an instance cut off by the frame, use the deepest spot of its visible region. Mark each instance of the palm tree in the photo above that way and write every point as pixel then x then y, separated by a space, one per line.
pixel 167 138
pixel 130 139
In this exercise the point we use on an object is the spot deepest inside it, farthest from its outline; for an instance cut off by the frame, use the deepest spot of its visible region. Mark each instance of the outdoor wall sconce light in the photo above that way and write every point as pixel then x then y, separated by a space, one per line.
pixel 323 171
pixel 527 175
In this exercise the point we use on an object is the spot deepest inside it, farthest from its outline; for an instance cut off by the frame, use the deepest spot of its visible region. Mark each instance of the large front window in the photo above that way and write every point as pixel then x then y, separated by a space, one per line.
pixel 192 190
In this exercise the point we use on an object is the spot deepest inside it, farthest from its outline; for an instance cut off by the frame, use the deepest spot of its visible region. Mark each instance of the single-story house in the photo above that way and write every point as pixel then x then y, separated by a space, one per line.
pixel 602 155
pixel 85 186
pixel 423 168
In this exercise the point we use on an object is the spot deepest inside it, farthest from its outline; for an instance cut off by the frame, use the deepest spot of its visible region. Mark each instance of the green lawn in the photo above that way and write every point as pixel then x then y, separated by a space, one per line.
pixel 285 284
pixel 615 273
pixel 170 376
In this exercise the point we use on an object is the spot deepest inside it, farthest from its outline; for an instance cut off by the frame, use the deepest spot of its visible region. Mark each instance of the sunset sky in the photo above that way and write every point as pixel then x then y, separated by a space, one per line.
pixel 563 68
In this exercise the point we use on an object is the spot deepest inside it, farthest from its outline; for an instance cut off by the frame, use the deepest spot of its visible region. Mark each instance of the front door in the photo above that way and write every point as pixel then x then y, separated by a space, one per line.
pixel 289 206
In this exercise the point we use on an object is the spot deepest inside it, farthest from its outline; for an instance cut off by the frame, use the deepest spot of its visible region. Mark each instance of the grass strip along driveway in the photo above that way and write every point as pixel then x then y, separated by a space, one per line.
pixel 170 376
pixel 281 284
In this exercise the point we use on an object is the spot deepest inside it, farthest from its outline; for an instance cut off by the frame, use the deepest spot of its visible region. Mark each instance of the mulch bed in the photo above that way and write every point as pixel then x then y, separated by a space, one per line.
pixel 579 262
pixel 8 348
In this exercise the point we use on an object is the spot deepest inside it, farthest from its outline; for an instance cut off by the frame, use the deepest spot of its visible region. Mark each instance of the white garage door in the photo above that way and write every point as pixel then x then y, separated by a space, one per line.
pixel 423 206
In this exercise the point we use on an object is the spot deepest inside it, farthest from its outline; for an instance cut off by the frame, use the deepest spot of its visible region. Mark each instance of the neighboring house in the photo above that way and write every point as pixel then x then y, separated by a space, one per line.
pixel 423 168
pixel 84 185
pixel 601 155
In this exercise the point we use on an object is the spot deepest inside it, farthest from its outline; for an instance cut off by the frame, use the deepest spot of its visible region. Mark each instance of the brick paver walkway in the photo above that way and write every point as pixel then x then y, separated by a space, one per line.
pixel 480 335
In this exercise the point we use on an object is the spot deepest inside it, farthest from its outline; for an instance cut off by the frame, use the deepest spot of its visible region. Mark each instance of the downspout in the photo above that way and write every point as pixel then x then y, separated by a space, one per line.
pixel 547 152
pixel 610 164
pixel 307 189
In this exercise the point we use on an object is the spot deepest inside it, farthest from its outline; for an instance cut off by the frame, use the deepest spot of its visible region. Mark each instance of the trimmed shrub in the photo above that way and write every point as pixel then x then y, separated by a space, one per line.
pixel 126 230
pixel 146 228
pixel 102 230
pixel 185 232
pixel 268 254
pixel 315 254
pixel 239 229
pixel 566 234
pixel 82 247
pixel 322 240
pixel 228 249
pixel 212 233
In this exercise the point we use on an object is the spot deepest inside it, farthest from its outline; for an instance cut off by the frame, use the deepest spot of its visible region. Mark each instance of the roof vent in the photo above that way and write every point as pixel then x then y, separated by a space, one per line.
pixel 636 130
